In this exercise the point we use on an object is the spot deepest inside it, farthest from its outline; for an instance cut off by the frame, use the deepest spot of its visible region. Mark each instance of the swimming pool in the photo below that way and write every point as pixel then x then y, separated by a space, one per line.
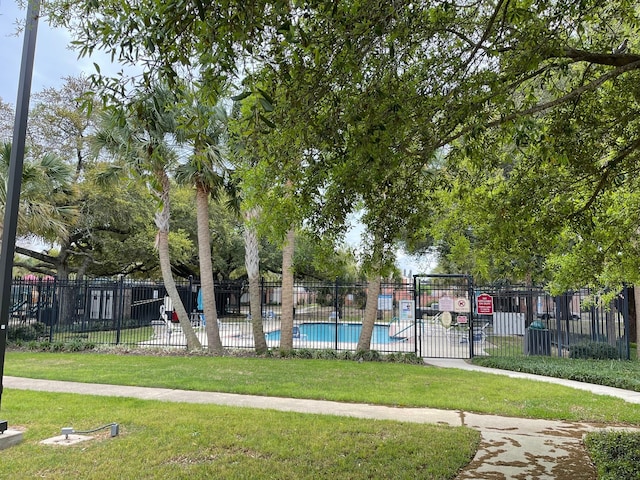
pixel 327 332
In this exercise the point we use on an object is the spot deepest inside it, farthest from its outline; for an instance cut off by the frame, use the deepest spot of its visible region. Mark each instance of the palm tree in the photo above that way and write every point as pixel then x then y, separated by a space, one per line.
pixel 245 148
pixel 139 136
pixel 252 264
pixel 45 198
pixel 286 327
pixel 206 171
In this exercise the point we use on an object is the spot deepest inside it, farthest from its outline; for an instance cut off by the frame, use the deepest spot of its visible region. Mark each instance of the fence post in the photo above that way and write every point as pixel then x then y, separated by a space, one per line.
pixel 55 314
pixel 559 335
pixel 119 308
pixel 190 293
pixel 625 317
pixel 472 314
pixel 336 310
pixel 417 338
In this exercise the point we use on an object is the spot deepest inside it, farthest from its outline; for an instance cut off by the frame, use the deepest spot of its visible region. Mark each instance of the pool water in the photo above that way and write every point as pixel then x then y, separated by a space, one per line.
pixel 345 332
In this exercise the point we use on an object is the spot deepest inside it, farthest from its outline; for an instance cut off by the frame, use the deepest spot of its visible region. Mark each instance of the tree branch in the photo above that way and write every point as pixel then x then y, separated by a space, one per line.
pixel 35 255
pixel 611 59
pixel 547 105
pixel 487 31
pixel 606 171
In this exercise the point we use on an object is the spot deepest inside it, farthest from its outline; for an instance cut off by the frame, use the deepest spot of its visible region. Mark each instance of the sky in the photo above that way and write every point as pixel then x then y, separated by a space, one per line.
pixel 54 60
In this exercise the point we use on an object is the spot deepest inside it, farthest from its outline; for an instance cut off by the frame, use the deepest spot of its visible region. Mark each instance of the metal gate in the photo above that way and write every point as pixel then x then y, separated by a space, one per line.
pixel 445 307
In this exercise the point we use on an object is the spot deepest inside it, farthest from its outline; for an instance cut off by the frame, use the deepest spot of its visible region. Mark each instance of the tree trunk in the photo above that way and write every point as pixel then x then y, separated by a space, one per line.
pixel 370 312
pixel 286 324
pixel 373 292
pixel 162 242
pixel 252 263
pixel 165 266
pixel 206 273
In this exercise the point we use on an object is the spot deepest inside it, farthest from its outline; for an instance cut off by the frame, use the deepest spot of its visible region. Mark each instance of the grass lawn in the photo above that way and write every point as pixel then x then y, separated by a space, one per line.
pixel 164 440
pixel 108 337
pixel 367 382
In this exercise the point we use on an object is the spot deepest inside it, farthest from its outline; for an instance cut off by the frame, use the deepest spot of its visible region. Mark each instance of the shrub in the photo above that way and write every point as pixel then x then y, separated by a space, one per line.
pixel 23 333
pixel 282 353
pixel 74 346
pixel 303 353
pixel 394 358
pixel 57 346
pixel 346 355
pixel 325 354
pixel 409 358
pixel 594 350
pixel 367 356
pixel 615 453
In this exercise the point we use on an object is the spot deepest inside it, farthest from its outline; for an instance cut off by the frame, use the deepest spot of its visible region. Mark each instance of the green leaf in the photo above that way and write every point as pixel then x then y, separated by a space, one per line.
pixel 267 122
pixel 266 96
pixel 266 105
pixel 241 96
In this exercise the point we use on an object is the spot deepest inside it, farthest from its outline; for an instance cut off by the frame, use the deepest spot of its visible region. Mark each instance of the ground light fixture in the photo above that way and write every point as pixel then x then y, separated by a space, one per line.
pixel 115 430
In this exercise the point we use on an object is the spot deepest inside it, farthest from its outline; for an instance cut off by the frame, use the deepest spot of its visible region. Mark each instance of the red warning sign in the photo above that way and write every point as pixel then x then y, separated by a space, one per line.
pixel 484 302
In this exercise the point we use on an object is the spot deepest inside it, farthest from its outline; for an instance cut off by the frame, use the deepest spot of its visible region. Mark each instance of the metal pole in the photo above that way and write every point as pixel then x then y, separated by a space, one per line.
pixel 15 178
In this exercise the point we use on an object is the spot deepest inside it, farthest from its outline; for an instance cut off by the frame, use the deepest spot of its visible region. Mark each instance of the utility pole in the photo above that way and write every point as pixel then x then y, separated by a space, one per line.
pixel 15 180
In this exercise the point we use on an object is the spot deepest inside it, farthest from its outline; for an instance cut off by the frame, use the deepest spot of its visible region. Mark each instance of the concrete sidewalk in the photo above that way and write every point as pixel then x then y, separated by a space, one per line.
pixel 510 447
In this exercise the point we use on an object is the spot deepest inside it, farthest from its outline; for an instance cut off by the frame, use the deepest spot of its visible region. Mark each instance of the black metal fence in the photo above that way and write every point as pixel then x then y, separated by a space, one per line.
pixel 432 316
pixel 530 321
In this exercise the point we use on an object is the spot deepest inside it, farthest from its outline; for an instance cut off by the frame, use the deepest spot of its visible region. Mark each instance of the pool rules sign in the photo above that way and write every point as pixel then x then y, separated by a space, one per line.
pixel 484 304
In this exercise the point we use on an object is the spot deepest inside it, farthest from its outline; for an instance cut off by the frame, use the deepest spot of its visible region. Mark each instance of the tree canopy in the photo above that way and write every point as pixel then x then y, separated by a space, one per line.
pixel 532 106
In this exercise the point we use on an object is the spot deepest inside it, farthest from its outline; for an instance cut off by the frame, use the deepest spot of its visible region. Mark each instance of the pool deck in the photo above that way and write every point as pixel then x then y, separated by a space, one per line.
pixel 435 340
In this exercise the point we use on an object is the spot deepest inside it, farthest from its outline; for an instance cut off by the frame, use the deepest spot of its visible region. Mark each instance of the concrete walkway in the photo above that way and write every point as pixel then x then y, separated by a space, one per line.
pixel 511 448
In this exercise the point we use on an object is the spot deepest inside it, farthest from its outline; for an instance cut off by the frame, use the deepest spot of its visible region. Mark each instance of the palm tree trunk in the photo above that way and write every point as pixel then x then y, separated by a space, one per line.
pixel 286 324
pixel 162 242
pixel 252 263
pixel 206 273
pixel 165 265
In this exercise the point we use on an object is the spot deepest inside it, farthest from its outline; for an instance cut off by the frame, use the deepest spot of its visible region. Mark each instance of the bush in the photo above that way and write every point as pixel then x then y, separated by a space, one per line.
pixel 615 453
pixel 409 358
pixel 326 354
pixel 76 345
pixel 20 332
pixel 25 333
pixel 594 350
pixel 367 356
pixel 303 353
pixel 346 355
